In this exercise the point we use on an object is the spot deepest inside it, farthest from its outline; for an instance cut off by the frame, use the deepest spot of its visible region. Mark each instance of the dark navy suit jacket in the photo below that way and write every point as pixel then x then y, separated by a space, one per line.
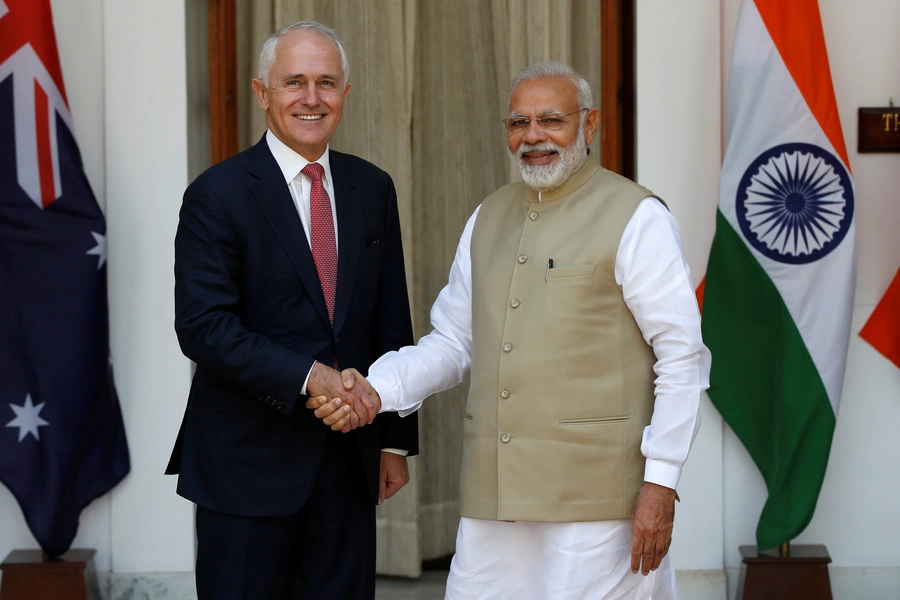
pixel 249 310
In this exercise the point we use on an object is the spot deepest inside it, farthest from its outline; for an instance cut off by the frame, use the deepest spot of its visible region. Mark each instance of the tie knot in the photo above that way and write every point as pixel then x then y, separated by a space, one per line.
pixel 314 171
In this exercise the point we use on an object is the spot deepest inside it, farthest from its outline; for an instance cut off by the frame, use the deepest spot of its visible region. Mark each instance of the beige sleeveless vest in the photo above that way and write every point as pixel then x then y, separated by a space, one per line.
pixel 561 378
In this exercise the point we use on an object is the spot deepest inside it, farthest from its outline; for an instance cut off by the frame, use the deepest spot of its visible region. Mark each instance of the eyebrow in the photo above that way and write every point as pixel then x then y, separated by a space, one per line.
pixel 548 111
pixel 304 75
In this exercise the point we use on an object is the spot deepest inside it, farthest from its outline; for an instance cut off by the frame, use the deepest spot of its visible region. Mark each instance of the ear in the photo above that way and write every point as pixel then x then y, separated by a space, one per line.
pixel 591 123
pixel 346 89
pixel 260 90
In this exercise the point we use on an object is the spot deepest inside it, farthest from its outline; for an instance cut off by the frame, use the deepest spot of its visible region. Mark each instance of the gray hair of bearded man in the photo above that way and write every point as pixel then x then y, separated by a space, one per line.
pixel 267 54
pixel 543 70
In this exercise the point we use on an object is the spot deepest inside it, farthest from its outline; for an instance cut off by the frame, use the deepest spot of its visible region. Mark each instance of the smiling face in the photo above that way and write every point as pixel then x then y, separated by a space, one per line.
pixel 547 157
pixel 304 95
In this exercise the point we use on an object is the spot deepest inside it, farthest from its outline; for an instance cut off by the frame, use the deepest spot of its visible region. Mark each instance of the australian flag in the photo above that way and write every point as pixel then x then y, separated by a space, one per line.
pixel 62 441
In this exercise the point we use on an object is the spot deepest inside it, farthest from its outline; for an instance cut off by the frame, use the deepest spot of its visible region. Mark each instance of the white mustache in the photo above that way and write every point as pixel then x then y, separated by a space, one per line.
pixel 546 147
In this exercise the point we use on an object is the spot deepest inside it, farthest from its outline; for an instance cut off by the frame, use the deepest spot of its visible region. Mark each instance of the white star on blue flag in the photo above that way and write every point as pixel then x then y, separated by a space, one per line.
pixel 99 250
pixel 28 418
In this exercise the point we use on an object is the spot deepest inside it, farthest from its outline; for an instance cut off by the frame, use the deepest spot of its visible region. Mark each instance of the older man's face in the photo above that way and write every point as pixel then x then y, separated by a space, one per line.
pixel 304 96
pixel 546 157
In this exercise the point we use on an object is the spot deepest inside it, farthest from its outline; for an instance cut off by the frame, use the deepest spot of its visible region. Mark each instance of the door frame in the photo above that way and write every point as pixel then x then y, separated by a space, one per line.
pixel 618 148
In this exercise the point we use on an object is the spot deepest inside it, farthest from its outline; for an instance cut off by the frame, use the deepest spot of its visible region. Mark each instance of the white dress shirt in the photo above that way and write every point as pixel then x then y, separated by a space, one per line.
pixel 656 285
pixel 300 186
pixel 291 163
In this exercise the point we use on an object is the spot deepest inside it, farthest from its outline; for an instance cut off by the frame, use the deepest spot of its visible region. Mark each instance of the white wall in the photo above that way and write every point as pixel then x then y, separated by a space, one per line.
pixel 146 157
pixel 124 69
pixel 678 140
pixel 679 124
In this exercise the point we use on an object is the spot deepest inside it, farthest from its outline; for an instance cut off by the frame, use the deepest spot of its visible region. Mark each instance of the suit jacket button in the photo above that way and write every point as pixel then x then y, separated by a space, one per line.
pixel 279 405
pixel 505 438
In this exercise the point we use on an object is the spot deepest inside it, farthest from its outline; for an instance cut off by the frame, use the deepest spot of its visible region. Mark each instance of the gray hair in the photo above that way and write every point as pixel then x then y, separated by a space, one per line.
pixel 542 70
pixel 267 54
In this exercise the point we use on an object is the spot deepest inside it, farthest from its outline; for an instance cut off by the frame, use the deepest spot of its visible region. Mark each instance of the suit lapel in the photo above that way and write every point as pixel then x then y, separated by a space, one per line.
pixel 347 200
pixel 274 198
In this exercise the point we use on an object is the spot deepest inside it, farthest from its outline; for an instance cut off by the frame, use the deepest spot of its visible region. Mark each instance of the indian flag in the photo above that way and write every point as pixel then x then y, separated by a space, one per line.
pixel 782 269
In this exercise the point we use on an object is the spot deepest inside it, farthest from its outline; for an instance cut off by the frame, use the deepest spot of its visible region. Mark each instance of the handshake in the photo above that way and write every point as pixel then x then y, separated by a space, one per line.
pixel 342 400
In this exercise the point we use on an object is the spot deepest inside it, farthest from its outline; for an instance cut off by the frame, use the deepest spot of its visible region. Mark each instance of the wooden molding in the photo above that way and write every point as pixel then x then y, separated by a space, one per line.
pixel 617 86
pixel 223 125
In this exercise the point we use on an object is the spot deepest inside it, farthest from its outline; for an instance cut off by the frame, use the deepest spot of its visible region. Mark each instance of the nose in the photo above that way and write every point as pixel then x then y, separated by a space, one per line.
pixel 309 95
pixel 534 133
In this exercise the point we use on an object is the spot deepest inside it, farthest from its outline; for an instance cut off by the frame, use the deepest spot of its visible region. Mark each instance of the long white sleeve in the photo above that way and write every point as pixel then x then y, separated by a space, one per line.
pixel 656 284
pixel 441 359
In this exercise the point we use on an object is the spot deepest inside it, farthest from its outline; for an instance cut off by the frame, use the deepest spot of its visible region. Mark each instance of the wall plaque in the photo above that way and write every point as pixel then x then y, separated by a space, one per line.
pixel 879 130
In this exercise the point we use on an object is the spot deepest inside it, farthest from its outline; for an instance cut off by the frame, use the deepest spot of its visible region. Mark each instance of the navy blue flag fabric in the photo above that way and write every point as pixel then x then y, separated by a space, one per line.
pixel 62 440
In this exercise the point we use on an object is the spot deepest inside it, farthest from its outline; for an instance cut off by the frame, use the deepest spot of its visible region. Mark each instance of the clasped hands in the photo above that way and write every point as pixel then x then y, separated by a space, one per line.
pixel 342 400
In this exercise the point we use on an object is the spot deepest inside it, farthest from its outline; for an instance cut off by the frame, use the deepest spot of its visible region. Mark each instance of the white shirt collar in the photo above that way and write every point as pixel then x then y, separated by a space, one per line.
pixel 290 162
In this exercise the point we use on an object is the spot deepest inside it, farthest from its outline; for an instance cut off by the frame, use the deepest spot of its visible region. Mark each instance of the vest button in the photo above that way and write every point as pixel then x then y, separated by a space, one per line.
pixel 522 259
pixel 507 347
pixel 534 215
pixel 504 393
pixel 505 438
pixel 514 303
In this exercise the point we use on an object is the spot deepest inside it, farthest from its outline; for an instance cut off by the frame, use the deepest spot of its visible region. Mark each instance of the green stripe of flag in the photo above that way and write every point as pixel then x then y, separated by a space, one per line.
pixel 765 385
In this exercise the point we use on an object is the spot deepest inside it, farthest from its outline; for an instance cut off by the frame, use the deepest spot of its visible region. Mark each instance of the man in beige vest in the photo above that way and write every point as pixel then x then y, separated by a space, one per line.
pixel 571 307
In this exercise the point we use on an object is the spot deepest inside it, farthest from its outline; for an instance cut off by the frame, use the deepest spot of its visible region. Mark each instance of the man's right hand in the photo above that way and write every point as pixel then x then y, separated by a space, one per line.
pixel 353 401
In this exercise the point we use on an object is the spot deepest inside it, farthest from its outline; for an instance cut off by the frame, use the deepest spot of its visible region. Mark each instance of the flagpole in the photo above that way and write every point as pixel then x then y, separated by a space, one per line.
pixel 784 550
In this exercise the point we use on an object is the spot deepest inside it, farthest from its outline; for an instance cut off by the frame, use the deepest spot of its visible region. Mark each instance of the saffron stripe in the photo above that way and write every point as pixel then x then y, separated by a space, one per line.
pixel 882 330
pixel 804 54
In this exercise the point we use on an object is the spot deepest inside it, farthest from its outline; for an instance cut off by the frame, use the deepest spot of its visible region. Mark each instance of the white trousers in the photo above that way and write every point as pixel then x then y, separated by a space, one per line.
pixel 498 560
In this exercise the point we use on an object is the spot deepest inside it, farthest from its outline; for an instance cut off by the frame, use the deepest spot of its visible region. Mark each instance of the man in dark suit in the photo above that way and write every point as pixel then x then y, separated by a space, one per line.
pixel 288 262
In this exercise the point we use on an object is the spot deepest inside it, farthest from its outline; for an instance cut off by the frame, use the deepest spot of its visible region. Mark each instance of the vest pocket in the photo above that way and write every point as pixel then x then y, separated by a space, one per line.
pixel 576 271
pixel 595 420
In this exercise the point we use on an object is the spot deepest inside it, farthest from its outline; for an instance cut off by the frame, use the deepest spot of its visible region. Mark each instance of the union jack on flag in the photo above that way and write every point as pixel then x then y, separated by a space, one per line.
pixel 62 440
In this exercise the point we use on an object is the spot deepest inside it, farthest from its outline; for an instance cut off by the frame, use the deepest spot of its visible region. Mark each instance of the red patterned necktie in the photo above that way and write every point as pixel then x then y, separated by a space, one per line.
pixel 321 235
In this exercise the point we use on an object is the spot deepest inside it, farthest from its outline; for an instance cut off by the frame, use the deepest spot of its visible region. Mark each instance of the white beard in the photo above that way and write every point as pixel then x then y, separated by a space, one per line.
pixel 550 176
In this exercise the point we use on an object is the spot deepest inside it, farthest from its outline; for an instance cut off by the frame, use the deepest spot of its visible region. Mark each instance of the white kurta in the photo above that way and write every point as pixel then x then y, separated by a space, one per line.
pixel 656 285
